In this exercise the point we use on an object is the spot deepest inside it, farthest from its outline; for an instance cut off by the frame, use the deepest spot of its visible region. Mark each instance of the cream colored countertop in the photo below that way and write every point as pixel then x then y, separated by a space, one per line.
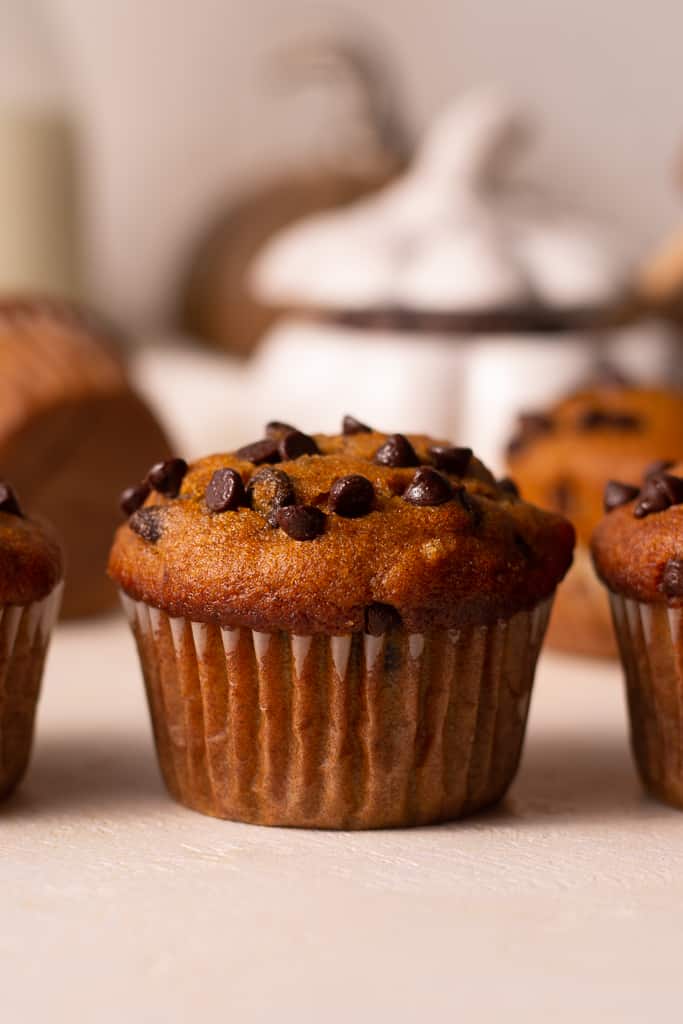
pixel 118 905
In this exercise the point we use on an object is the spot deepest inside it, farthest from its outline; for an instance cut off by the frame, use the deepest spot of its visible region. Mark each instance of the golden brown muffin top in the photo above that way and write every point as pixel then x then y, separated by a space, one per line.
pixel 638 546
pixel 30 557
pixel 562 457
pixel 337 534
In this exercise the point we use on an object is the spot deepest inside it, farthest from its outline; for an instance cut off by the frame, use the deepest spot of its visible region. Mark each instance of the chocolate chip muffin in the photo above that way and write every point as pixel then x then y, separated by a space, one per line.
pixel 337 631
pixel 30 592
pixel 72 433
pixel 638 553
pixel 562 458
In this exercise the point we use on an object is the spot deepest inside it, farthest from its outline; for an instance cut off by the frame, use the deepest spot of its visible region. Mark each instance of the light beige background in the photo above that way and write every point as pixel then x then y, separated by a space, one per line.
pixel 175 110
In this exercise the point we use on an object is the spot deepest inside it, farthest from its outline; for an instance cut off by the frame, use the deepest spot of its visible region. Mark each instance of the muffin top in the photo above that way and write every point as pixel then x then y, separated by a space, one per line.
pixel 563 457
pixel 638 546
pixel 30 557
pixel 337 534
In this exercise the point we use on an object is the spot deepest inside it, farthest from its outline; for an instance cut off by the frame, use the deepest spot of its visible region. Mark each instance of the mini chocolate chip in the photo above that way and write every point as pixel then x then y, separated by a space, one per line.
pixel 295 444
pixel 275 430
pixel 225 492
pixel 508 486
pixel 596 419
pixel 659 493
pixel 524 547
pixel 660 466
pixel 561 496
pixel 428 487
pixel 671 583
pixel 269 490
pixel 166 477
pixel 529 426
pixel 148 523
pixel 380 618
pixel 133 498
pixel 351 496
pixel 618 494
pixel 450 460
pixel 301 522
pixel 8 501
pixel 396 451
pixel 472 507
pixel 260 452
pixel 350 425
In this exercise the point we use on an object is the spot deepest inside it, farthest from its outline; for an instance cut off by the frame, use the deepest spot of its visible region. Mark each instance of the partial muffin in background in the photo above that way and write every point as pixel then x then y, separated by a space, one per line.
pixel 562 458
pixel 338 631
pixel 638 554
pixel 31 583
pixel 72 433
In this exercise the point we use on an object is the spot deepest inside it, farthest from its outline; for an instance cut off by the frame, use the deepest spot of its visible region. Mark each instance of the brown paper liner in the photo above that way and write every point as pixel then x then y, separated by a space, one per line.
pixel 337 732
pixel 650 638
pixel 24 639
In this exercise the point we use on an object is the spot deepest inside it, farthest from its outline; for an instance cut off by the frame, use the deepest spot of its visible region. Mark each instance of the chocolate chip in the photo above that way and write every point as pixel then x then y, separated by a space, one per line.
pixel 301 522
pixel 275 430
pixel 295 444
pixel 428 487
pixel 269 490
pixel 133 498
pixel 508 486
pixel 660 466
pixel 659 493
pixel 380 618
pixel 148 523
pixel 350 425
pixel 396 451
pixel 351 496
pixel 671 583
pixel 450 460
pixel 561 496
pixel 530 425
pixel 618 494
pixel 597 419
pixel 472 507
pixel 524 548
pixel 260 451
pixel 8 501
pixel 226 491
pixel 166 477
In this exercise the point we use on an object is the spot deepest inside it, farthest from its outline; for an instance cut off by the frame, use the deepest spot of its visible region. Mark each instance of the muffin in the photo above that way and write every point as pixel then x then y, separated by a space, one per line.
pixel 30 591
pixel 638 553
pixel 562 458
pixel 468 276
pixel 337 631
pixel 72 433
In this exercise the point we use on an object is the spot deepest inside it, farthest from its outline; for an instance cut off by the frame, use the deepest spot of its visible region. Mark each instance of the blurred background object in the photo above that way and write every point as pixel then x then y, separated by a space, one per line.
pixel 355 140
pixel 38 177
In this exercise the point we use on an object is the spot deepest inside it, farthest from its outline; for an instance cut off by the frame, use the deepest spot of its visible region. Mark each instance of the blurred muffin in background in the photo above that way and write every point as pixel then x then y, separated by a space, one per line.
pixel 73 433
pixel 563 457
pixel 353 141
pixel 460 285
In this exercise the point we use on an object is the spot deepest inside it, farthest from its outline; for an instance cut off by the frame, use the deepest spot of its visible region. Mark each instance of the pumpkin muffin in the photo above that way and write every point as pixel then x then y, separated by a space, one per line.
pixel 30 592
pixel 562 458
pixel 638 554
pixel 337 631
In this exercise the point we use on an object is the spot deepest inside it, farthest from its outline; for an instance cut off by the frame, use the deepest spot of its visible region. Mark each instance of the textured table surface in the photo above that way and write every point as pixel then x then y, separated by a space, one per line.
pixel 563 904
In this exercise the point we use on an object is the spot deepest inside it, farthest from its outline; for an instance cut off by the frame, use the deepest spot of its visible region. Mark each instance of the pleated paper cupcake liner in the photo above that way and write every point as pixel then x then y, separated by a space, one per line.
pixel 24 639
pixel 650 638
pixel 349 731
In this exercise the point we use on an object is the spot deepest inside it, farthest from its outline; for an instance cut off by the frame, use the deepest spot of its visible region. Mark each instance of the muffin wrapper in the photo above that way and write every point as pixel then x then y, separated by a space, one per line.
pixel 348 731
pixel 650 638
pixel 24 638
